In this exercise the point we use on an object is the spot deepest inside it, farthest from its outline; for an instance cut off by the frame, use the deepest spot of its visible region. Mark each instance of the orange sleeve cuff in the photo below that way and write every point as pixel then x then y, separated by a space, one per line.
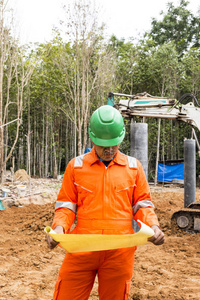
pixel 63 217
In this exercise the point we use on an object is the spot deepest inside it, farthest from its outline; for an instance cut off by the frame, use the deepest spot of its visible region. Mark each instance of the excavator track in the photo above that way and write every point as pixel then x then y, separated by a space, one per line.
pixel 188 219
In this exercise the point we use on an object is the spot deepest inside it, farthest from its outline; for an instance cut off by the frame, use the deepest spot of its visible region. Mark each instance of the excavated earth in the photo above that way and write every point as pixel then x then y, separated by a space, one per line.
pixel 28 269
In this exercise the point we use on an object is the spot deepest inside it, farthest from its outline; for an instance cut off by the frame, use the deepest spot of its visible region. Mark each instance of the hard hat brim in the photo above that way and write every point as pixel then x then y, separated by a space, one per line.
pixel 107 142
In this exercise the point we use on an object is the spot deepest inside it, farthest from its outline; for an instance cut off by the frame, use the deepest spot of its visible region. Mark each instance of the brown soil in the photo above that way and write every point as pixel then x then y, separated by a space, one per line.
pixel 28 269
pixel 21 175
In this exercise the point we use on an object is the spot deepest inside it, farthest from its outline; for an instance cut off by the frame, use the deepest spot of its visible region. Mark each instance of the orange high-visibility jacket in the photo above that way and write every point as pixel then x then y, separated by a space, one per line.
pixel 104 199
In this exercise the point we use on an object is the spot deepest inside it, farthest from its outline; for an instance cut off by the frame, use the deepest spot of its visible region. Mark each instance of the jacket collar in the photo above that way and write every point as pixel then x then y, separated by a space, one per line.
pixel 119 158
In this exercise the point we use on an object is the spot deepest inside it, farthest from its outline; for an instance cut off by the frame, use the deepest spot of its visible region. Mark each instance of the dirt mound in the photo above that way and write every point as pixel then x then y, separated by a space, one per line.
pixel 21 175
pixel 29 269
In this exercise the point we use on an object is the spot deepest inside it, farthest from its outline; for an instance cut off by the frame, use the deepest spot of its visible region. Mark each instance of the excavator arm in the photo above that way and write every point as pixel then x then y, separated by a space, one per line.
pixel 145 105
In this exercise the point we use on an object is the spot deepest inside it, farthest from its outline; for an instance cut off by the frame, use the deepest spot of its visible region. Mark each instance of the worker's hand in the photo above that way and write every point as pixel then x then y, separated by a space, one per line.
pixel 158 238
pixel 51 243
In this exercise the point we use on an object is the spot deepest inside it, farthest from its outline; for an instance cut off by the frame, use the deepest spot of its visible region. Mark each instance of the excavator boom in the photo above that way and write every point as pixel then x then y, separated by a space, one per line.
pixel 145 105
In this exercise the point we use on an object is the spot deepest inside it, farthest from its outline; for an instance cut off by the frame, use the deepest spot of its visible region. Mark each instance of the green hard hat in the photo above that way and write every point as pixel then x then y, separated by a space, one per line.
pixel 106 127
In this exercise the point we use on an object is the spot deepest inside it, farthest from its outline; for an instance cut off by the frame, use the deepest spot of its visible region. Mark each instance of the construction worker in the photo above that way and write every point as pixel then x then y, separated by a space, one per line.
pixel 103 189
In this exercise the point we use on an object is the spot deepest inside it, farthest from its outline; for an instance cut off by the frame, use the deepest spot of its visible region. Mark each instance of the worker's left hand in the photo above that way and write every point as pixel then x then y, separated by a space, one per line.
pixel 158 238
pixel 50 241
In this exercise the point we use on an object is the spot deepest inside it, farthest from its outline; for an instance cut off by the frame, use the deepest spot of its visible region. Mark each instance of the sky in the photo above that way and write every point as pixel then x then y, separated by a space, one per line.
pixel 126 18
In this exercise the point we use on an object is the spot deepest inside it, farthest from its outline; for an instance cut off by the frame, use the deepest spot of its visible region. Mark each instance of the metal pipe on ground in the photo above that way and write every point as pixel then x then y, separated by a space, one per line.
pixel 189 171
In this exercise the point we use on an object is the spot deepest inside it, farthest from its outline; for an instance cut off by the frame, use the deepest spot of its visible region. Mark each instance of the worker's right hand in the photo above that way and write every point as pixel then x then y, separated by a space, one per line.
pixel 50 242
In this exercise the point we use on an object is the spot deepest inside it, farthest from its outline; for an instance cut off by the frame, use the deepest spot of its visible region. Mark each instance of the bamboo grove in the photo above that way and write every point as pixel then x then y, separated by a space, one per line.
pixel 48 92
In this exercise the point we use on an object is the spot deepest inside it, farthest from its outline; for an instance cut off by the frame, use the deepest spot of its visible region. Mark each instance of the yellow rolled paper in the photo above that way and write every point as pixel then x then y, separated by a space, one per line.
pixel 96 242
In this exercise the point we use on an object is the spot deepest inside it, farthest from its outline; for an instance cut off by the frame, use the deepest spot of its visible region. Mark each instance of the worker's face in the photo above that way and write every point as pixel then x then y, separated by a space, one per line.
pixel 106 153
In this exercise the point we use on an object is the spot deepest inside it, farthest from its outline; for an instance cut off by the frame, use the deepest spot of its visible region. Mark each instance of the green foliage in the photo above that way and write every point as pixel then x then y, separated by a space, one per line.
pixel 125 145
pixel 190 79
pixel 164 69
pixel 125 59
pixel 178 25
pixel 164 63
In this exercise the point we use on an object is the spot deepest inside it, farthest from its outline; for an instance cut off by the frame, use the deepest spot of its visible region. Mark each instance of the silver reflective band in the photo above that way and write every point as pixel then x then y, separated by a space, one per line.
pixel 132 162
pixel 79 161
pixel 141 204
pixel 69 205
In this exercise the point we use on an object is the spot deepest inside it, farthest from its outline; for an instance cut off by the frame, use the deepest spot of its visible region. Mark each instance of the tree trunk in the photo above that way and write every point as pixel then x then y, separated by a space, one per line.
pixel 29 159
pixel 55 169
pixel 1 92
pixel 43 143
pixel 67 148
pixel 34 147
pixel 46 145
pixel 39 158
pixel 157 155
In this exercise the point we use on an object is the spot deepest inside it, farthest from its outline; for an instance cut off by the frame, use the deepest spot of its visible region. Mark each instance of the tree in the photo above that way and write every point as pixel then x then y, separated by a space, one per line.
pixel 178 25
pixel 87 67
pixel 164 67
pixel 190 79
pixel 14 75
pixel 125 61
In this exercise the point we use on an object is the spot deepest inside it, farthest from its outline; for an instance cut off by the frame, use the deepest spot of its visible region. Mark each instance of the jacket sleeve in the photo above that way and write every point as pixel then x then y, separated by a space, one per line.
pixel 65 208
pixel 143 208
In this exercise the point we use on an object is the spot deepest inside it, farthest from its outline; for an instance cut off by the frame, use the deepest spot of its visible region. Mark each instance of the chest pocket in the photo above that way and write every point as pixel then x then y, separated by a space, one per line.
pixel 124 194
pixel 86 192
pixel 120 188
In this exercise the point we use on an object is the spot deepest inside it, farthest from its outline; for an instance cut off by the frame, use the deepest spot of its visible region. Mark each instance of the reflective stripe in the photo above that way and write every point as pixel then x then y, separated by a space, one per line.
pixel 141 204
pixel 79 161
pixel 132 162
pixel 69 205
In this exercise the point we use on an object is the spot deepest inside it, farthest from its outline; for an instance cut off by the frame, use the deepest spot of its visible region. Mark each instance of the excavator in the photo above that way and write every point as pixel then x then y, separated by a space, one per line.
pixel 146 105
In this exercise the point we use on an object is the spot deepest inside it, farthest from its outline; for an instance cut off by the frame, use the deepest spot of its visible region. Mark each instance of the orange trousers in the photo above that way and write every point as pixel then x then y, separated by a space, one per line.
pixel 114 269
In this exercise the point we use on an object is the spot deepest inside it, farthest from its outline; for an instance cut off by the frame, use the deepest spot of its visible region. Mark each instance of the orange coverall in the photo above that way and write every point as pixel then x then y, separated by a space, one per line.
pixel 104 200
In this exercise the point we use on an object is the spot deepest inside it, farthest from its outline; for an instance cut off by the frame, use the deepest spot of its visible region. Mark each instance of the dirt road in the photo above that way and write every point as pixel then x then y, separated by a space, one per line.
pixel 28 269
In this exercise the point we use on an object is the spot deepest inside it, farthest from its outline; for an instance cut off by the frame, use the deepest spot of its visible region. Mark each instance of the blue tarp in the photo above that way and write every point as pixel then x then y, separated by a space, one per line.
pixel 166 173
